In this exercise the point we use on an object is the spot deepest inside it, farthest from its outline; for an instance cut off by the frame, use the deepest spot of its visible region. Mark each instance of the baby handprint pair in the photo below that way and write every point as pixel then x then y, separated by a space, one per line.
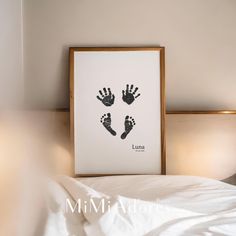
pixel 128 95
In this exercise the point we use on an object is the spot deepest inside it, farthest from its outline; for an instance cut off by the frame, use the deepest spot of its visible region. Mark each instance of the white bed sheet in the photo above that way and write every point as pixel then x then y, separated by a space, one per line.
pixel 211 202
pixel 186 206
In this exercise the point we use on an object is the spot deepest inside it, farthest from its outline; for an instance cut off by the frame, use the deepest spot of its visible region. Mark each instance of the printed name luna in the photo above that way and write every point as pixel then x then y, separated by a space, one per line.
pixel 138 147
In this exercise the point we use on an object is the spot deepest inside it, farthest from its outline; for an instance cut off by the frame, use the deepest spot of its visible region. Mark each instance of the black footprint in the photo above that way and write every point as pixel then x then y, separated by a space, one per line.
pixel 128 95
pixel 129 124
pixel 107 98
pixel 106 121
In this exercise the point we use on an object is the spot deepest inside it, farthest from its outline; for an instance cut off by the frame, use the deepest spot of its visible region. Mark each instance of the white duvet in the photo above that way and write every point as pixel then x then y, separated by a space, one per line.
pixel 146 206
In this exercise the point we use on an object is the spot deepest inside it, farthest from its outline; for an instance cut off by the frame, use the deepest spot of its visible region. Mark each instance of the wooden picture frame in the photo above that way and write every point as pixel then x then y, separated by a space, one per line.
pixel 77 71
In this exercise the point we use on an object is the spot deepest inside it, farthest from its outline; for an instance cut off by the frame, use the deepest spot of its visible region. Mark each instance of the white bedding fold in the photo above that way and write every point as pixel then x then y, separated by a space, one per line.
pixel 191 206
pixel 56 221
pixel 146 217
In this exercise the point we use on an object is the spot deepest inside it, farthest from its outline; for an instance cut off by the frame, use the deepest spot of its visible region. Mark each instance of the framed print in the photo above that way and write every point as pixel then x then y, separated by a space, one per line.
pixel 117 105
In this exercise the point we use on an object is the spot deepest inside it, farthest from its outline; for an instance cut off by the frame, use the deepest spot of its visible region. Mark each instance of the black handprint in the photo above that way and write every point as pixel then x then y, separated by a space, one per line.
pixel 107 98
pixel 129 124
pixel 129 94
pixel 106 121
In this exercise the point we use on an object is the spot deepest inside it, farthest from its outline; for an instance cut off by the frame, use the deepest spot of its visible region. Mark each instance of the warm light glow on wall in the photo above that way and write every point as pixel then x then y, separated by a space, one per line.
pixel 201 145
pixel 62 160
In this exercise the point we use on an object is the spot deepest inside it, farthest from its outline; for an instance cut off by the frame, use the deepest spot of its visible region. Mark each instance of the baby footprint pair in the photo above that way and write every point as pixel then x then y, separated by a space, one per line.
pixel 128 95
pixel 107 98
pixel 129 124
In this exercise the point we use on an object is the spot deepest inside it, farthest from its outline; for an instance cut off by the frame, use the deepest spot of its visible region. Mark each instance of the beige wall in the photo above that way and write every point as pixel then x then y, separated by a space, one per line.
pixel 199 36
pixel 11 80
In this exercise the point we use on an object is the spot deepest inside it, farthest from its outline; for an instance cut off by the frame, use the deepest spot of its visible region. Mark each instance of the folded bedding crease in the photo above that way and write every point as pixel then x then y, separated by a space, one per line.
pixel 141 206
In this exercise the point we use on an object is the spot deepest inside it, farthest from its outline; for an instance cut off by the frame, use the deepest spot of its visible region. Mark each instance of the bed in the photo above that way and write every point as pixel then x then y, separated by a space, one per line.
pixel 177 205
